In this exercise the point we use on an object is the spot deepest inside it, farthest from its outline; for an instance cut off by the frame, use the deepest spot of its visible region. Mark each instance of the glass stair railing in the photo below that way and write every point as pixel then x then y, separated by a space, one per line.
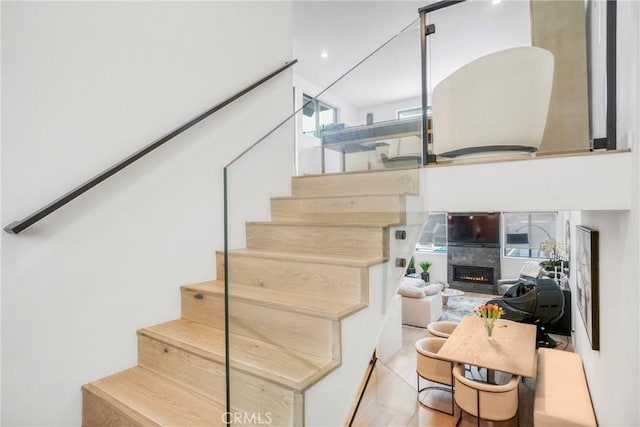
pixel 318 230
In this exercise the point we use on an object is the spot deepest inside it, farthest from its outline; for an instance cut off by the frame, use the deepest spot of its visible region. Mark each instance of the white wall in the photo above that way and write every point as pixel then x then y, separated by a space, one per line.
pixel 85 84
pixel 438 269
pixel 328 402
pixel 543 184
pixel 615 365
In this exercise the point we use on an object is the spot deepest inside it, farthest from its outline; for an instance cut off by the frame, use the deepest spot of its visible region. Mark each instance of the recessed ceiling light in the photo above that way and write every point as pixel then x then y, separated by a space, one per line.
pixel 494 2
pixel 324 53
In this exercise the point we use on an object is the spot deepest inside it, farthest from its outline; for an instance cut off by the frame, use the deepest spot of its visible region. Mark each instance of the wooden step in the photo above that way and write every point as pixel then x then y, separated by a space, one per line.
pixel 163 347
pixel 312 305
pixel 356 260
pixel 396 181
pixel 383 209
pixel 139 397
pixel 277 323
pixel 364 240
pixel 342 278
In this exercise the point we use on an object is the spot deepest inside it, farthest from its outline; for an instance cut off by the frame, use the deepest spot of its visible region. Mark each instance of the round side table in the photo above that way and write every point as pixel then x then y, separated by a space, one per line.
pixel 449 293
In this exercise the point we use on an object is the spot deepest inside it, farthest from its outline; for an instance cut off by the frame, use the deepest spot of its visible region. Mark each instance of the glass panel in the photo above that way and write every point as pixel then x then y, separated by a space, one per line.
pixel 254 286
pixel 312 263
pixel 360 130
pixel 491 68
pixel 434 234
pixel 488 28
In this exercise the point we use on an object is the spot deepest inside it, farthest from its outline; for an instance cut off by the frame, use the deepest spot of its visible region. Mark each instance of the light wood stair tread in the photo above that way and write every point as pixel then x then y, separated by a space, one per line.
pixel 348 260
pixel 383 181
pixel 313 305
pixel 358 172
pixel 150 399
pixel 289 368
pixel 342 224
pixel 291 223
pixel 341 196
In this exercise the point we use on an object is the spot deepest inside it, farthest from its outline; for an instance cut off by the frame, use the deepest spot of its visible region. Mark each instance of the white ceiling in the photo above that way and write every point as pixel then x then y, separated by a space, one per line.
pixel 351 30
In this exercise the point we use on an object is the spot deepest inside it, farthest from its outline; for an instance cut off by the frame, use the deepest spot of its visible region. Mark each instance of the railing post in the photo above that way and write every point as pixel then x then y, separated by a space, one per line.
pixel 425 30
pixel 227 370
pixel 423 73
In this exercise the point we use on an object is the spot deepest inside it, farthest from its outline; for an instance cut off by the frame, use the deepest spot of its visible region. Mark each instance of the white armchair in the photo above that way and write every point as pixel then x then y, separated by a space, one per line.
pixel 421 305
pixel 495 104
pixel 405 151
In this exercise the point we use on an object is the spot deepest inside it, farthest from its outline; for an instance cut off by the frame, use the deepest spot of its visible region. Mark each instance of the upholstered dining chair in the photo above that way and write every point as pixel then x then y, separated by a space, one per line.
pixel 441 328
pixel 430 367
pixel 485 401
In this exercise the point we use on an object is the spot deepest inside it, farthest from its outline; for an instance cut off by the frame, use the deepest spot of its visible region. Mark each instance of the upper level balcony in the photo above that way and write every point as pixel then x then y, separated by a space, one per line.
pixel 456 93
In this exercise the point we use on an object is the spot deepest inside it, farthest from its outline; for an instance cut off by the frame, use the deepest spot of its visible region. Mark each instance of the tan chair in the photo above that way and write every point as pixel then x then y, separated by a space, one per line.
pixel 430 367
pixel 485 401
pixel 441 328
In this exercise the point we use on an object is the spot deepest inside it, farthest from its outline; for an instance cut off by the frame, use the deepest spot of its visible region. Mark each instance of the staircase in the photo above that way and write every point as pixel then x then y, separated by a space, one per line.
pixel 300 275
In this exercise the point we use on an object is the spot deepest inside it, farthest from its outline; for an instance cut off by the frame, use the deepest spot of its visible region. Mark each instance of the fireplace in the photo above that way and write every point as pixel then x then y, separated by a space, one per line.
pixel 473 268
pixel 473 274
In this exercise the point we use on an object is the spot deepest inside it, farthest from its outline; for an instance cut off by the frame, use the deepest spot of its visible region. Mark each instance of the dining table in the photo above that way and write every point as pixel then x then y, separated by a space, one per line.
pixel 511 348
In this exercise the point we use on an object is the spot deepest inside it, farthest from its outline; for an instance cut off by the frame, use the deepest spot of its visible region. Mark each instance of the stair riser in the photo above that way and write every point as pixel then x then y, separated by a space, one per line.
pixel 249 394
pixel 96 412
pixel 340 210
pixel 342 283
pixel 203 375
pixel 364 241
pixel 367 183
pixel 308 334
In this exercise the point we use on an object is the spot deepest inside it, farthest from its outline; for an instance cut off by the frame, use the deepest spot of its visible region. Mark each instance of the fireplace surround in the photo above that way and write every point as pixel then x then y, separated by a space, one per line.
pixel 474 268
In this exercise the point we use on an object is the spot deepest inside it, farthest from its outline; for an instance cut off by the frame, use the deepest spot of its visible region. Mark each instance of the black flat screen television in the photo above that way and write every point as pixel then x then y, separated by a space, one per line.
pixel 482 229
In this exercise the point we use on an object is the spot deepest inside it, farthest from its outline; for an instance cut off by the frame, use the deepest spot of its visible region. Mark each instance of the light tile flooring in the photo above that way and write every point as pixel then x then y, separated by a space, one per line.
pixel 390 398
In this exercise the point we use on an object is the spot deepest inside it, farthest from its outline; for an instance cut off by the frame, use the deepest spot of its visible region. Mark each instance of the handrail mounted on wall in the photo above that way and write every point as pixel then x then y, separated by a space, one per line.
pixel 18 226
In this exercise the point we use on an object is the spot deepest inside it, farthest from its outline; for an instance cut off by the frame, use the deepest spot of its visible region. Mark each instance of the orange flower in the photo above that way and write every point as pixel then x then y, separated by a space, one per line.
pixel 489 311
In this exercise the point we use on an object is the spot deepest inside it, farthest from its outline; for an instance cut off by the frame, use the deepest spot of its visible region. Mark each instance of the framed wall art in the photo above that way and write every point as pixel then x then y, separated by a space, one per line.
pixel 587 282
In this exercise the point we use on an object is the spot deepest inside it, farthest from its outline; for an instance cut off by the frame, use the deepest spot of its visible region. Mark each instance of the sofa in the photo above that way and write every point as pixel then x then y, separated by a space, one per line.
pixel 421 303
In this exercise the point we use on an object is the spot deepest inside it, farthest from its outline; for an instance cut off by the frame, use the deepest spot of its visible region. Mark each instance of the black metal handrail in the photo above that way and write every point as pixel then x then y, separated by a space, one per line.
pixel 18 226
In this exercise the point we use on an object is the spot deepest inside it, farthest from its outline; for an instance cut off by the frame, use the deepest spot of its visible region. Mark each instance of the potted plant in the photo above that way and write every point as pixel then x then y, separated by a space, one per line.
pixel 411 269
pixel 425 270
pixel 556 253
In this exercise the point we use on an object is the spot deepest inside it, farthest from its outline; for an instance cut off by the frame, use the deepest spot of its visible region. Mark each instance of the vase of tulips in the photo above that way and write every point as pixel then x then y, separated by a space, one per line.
pixel 489 313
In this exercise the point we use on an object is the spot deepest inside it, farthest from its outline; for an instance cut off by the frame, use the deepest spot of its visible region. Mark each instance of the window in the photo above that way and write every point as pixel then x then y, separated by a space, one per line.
pixel 434 234
pixel 411 112
pixel 524 231
pixel 316 116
